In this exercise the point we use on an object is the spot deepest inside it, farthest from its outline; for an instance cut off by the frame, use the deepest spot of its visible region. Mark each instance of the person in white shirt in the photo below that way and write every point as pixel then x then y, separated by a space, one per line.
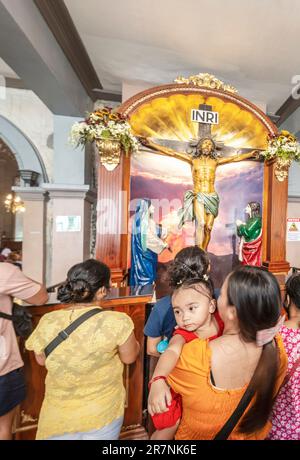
pixel 13 283
pixel 147 242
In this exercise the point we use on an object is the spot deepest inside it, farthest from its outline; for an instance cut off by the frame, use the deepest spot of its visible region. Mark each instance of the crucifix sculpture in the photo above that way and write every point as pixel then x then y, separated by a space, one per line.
pixel 204 156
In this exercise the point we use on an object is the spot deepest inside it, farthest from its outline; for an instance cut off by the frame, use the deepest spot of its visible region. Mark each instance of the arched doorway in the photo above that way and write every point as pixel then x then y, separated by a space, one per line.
pixel 10 223
pixel 30 227
pixel 26 154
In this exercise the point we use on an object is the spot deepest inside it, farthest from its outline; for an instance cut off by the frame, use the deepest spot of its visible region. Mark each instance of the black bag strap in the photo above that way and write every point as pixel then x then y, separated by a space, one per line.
pixel 6 316
pixel 64 334
pixel 225 431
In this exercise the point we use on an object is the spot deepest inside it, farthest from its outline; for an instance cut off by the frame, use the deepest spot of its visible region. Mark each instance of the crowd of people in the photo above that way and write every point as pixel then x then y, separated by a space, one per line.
pixel 228 364
pixel 13 257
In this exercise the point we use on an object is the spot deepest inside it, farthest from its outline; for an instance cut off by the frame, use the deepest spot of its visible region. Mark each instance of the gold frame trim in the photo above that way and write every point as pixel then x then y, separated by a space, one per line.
pixel 181 89
pixel 206 80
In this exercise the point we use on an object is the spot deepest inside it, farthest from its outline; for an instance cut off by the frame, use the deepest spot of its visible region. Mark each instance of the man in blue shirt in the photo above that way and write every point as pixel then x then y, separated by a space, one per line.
pixel 161 323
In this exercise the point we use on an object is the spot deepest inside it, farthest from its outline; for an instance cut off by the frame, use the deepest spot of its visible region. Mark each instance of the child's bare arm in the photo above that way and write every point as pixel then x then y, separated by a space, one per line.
pixel 159 395
pixel 169 358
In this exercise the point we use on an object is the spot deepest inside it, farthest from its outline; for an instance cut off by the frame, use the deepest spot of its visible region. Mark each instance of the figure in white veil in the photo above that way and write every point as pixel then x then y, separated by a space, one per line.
pixel 146 244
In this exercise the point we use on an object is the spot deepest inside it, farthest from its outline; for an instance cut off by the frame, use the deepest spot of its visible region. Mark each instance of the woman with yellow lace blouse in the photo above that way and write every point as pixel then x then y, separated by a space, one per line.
pixel 84 396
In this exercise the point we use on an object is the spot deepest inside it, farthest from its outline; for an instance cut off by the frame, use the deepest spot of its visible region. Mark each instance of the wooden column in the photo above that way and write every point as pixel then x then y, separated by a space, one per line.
pixel 112 218
pixel 274 222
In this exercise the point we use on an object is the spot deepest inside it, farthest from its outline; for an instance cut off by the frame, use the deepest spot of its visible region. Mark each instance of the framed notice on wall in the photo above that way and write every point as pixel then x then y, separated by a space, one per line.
pixel 68 223
pixel 293 229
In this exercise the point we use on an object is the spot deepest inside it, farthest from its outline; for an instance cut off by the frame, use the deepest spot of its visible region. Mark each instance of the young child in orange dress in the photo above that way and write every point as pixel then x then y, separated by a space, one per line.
pixel 196 316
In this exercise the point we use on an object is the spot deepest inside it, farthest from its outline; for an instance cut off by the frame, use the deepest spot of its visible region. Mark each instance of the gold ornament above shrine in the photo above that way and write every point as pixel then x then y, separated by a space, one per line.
pixel 206 80
pixel 164 112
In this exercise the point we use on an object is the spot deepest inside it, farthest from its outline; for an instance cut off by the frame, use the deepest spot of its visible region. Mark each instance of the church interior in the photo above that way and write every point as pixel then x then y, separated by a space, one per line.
pixel 149 154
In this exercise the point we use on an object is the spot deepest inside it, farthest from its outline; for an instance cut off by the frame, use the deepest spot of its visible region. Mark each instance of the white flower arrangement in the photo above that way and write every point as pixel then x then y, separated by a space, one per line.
pixel 104 123
pixel 284 146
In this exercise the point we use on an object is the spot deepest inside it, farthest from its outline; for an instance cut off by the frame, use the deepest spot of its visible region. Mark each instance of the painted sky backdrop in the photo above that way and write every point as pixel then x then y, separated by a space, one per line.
pixel 165 180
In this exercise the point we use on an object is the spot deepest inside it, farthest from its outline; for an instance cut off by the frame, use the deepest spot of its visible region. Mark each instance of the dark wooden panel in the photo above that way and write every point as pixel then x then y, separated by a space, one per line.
pixel 112 215
pixel 11 244
pixel 134 374
pixel 35 381
pixel 274 222
pixel 108 242
pixel 125 211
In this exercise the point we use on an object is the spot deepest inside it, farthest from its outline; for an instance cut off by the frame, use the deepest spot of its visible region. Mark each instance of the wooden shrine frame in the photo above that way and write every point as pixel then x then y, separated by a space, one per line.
pixel 112 249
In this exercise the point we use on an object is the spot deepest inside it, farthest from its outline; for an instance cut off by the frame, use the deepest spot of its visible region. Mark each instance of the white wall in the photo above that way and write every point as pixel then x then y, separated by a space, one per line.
pixel 28 113
pixel 293 247
pixel 130 88
pixel 68 248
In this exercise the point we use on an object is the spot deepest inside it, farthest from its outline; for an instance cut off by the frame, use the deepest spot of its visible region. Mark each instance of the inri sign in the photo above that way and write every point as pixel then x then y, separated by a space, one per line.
pixel 205 116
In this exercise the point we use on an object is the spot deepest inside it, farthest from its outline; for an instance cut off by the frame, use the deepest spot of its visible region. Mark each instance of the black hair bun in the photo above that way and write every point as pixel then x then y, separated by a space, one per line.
pixel 181 273
pixel 76 291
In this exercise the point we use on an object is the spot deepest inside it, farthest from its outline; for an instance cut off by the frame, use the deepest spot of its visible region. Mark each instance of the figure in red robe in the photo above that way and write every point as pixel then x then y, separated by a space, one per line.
pixel 251 236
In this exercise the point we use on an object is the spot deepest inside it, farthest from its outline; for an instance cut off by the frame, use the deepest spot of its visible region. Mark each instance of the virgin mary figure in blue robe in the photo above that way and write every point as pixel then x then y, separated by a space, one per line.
pixel 146 244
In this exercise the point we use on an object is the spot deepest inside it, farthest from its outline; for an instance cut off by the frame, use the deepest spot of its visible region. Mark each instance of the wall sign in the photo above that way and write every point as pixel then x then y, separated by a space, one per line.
pixel 205 116
pixel 68 223
pixel 293 229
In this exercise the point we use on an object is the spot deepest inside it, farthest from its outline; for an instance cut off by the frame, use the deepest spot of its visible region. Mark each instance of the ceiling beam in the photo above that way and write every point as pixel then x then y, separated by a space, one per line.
pixel 29 47
pixel 287 108
pixel 15 83
pixel 107 96
pixel 59 21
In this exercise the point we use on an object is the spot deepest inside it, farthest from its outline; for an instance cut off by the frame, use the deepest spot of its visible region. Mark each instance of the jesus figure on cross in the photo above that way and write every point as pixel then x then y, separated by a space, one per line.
pixel 202 203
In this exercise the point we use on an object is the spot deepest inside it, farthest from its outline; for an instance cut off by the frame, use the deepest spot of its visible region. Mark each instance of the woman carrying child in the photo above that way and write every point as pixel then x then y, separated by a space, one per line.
pixel 194 309
pixel 249 359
